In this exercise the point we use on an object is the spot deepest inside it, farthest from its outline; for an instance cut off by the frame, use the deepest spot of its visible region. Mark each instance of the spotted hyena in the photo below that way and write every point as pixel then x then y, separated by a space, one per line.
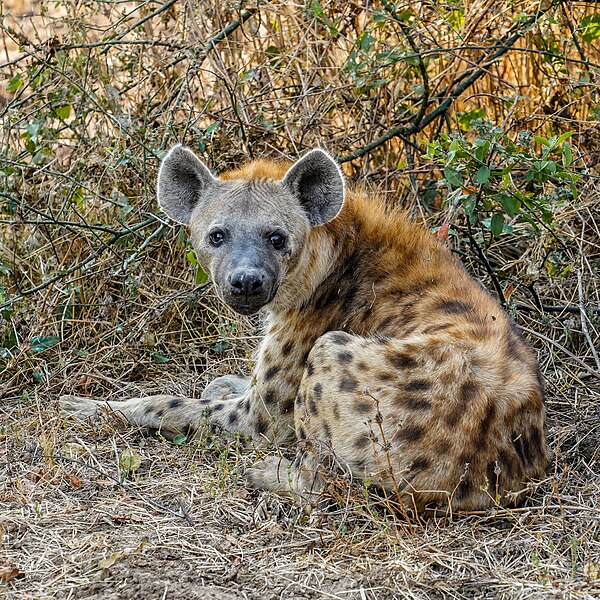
pixel 380 350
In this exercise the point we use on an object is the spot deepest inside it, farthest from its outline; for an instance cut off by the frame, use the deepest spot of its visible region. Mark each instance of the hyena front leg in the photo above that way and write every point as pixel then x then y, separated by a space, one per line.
pixel 230 402
pixel 171 415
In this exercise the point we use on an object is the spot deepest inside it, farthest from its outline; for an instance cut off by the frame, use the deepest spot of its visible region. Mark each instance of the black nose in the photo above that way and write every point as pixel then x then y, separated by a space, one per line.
pixel 248 283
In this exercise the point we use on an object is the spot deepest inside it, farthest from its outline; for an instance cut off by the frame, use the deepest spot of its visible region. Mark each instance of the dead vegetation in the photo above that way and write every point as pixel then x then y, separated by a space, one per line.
pixel 100 296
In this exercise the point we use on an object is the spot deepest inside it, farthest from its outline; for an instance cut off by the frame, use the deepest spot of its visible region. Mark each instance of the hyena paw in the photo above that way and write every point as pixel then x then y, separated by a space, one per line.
pixel 79 407
pixel 225 387
pixel 271 473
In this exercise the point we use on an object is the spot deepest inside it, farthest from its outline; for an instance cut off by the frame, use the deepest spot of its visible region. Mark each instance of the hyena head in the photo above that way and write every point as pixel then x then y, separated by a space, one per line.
pixel 249 233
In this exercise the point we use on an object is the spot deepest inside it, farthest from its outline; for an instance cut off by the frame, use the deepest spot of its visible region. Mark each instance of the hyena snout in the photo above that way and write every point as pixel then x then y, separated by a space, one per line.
pixel 248 289
pixel 247 282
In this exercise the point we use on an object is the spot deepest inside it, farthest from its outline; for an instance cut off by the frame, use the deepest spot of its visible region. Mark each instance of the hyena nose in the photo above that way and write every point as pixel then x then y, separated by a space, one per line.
pixel 248 283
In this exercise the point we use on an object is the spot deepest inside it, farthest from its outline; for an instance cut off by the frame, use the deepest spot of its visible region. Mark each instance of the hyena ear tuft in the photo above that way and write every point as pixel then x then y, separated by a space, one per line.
pixel 183 179
pixel 317 181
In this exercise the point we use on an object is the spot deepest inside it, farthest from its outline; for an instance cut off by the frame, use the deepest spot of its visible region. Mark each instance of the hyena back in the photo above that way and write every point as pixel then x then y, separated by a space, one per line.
pixel 380 349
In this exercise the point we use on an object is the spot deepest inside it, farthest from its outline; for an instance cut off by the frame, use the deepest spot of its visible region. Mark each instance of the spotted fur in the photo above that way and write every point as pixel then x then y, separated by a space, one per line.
pixel 378 346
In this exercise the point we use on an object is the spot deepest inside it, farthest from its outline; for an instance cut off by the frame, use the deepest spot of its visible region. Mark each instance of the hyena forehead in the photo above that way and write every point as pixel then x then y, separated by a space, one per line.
pixel 250 206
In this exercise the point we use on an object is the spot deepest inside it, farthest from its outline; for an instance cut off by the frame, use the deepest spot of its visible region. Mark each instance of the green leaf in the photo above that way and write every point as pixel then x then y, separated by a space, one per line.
pixel 482 175
pixel 510 204
pixel 39 343
pixel 541 140
pixel 453 177
pixel 567 154
pixel 159 359
pixel 15 83
pixel 179 439
pixel 467 120
pixel 191 256
pixel 590 28
pixel 31 130
pixel 496 224
pixel 211 129
pixel 201 276
pixel 129 461
pixel 62 112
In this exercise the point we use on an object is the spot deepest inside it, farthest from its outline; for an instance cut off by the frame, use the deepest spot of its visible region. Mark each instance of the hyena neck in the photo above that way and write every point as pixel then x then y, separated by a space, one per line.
pixel 325 248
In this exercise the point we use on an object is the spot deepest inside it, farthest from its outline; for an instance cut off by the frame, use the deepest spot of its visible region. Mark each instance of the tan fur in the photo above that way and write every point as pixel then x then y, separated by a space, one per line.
pixel 380 347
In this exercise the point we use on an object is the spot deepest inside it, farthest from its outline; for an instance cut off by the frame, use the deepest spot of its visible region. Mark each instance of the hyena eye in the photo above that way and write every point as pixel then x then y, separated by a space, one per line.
pixel 216 237
pixel 277 240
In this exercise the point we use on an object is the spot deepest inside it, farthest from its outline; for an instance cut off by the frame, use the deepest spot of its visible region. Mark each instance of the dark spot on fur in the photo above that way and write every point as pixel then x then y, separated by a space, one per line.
pixel 270 397
pixel 287 348
pixel 455 307
pixel 536 441
pixel 301 433
pixel 336 412
pixel 417 385
pixel 262 424
pixel 232 418
pixel 310 368
pixel 387 321
pixel 362 441
pixel 386 376
pixel 413 402
pixel 348 383
pixel 488 418
pixel 442 447
pixel 218 407
pixel 160 413
pixel 420 464
pixel 363 407
pixel 468 393
pixel 271 372
pixel 362 365
pixel 400 360
pixel 299 399
pixel 436 328
pixel 326 430
pixel 246 405
pixel 345 357
pixel 410 433
pixel 318 390
pixel 175 403
pixel 312 406
pixel 339 337
pixel 288 405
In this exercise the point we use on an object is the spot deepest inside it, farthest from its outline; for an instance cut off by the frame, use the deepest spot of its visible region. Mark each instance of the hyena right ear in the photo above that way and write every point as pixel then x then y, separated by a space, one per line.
pixel 183 179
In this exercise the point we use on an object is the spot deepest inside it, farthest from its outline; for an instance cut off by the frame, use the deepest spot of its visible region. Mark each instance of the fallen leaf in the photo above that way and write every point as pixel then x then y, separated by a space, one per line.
pixel 8 573
pixel 73 480
pixel 106 563
pixel 130 460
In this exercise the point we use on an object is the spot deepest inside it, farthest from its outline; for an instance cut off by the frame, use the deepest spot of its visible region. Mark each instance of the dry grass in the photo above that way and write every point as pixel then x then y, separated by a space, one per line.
pixel 99 297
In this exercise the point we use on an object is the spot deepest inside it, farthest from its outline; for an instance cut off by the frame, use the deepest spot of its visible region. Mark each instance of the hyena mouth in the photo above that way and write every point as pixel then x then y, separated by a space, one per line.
pixel 248 305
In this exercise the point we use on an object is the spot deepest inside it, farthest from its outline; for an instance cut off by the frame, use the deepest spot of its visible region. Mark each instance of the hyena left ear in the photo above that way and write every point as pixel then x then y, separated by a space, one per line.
pixel 317 182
